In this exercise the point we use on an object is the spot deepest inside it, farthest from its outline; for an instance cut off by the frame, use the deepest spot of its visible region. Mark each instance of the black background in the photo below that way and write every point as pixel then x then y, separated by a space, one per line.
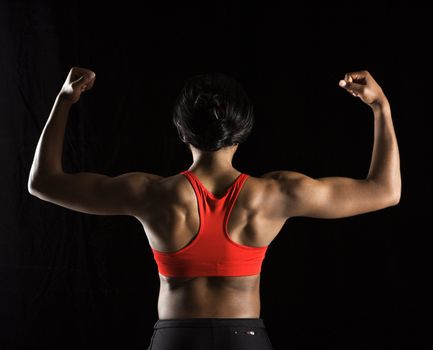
pixel 69 280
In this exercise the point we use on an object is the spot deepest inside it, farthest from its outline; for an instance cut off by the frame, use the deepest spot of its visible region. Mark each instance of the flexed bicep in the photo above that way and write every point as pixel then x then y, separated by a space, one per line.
pixel 329 197
pixel 336 197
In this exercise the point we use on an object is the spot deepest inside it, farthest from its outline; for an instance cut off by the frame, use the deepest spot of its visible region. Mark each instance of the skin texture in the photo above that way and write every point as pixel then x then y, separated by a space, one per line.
pixel 167 208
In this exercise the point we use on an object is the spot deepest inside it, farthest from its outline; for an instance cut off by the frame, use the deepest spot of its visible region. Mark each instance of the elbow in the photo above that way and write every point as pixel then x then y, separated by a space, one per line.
pixel 36 183
pixel 395 199
pixel 396 192
pixel 31 188
pixel 34 187
pixel 31 184
pixel 389 194
pixel 394 196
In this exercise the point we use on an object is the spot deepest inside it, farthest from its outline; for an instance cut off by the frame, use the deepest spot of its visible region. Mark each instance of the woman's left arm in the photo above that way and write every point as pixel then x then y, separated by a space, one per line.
pixel 85 192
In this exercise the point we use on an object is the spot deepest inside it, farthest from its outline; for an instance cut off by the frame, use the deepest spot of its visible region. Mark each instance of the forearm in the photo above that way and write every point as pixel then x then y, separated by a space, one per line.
pixel 48 155
pixel 385 161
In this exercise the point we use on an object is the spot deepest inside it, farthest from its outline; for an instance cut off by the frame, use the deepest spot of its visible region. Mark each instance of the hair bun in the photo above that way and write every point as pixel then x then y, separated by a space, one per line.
pixel 213 111
pixel 210 101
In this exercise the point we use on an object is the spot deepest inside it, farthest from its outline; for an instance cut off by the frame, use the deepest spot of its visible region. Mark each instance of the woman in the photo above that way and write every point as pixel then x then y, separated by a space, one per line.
pixel 209 226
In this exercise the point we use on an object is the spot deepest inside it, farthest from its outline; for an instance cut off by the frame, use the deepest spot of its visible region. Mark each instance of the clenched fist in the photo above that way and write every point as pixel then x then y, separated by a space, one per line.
pixel 77 81
pixel 361 84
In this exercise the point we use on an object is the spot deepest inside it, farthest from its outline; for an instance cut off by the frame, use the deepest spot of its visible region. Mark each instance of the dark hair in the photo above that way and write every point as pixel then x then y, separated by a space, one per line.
pixel 213 111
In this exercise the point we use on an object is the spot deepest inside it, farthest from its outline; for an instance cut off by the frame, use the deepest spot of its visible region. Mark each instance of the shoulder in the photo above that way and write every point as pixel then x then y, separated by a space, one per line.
pixel 173 187
pixel 264 194
pixel 290 183
pixel 290 191
pixel 283 176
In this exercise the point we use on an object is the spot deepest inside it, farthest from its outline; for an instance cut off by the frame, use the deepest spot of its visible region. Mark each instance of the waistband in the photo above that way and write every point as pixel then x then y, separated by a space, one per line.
pixel 209 322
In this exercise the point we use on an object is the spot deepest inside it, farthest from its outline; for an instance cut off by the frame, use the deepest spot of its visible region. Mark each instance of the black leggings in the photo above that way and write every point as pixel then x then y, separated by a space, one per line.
pixel 210 334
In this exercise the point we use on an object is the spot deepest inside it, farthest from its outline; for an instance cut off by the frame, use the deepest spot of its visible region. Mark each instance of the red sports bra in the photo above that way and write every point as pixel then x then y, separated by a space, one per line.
pixel 212 252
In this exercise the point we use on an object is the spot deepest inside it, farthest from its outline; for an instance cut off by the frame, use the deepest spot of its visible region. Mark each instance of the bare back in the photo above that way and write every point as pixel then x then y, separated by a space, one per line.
pixel 171 221
pixel 167 207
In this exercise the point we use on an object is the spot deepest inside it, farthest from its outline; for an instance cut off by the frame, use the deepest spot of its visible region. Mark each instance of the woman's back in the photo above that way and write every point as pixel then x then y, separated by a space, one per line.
pixel 171 221
pixel 215 303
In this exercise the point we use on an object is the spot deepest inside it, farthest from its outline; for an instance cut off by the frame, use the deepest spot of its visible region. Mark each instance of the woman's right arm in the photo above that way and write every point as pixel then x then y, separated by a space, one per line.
pixel 336 197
